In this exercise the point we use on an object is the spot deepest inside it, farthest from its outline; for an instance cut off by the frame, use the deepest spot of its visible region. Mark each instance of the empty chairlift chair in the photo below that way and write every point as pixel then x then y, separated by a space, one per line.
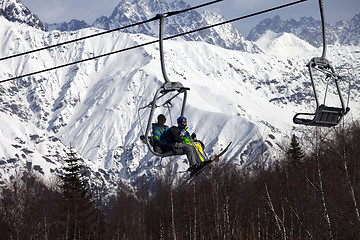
pixel 324 116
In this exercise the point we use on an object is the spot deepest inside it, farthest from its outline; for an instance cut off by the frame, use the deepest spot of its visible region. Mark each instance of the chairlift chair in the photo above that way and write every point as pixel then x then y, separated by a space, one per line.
pixel 324 116
pixel 168 87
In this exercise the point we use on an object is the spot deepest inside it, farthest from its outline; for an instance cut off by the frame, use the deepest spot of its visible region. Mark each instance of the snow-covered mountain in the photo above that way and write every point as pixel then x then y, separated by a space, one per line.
pixel 73 25
pixel 349 32
pixel 309 29
pixel 247 98
pixel 15 11
pixel 133 11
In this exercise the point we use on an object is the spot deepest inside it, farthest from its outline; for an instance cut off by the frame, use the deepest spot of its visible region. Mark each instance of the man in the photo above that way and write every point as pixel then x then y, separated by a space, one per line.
pixel 158 129
pixel 173 137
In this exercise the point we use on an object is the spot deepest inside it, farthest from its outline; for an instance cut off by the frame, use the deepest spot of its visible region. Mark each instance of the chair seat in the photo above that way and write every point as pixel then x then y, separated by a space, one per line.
pixel 323 117
pixel 157 149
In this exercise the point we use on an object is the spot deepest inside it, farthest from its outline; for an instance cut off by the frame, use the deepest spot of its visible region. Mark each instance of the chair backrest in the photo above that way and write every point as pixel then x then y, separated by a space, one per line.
pixel 323 117
pixel 151 141
pixel 329 116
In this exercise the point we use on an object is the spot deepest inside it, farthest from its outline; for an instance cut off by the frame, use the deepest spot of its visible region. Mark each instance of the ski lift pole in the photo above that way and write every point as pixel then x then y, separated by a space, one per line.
pixel 161 45
pixel 321 5
pixel 168 83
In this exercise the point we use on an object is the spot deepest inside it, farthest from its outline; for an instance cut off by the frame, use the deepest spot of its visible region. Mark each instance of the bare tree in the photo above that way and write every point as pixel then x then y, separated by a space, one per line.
pixel 321 185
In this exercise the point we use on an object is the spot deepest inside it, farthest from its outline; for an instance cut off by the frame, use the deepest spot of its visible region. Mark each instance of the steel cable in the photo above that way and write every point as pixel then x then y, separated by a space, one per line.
pixel 155 41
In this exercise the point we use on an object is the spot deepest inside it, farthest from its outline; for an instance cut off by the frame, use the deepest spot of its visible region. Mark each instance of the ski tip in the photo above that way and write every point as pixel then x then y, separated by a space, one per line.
pixel 227 146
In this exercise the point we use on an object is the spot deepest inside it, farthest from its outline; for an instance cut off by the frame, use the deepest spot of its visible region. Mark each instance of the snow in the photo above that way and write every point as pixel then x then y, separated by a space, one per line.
pixel 246 98
pixel 283 44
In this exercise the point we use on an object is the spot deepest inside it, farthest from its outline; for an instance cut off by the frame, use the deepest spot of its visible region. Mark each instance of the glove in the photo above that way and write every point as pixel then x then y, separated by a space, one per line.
pixel 183 133
pixel 193 136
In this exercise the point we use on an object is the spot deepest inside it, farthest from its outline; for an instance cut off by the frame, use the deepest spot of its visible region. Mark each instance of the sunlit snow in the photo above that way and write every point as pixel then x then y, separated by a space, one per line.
pixel 242 97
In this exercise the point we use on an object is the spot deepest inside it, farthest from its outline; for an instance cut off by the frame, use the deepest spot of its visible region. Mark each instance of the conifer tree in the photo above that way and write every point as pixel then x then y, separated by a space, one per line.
pixel 294 153
pixel 78 206
pixel 73 182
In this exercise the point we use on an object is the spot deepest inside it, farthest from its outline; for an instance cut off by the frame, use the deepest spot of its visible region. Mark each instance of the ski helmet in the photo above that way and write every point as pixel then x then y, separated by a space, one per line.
pixel 180 119
pixel 160 117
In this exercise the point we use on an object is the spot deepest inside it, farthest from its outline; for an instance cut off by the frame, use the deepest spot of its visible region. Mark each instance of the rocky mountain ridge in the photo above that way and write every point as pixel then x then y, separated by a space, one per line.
pixel 15 11
pixel 309 29
pixel 128 12
pixel 133 11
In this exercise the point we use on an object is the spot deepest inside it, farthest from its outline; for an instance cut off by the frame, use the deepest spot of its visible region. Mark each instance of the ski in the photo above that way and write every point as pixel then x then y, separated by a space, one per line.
pixel 200 169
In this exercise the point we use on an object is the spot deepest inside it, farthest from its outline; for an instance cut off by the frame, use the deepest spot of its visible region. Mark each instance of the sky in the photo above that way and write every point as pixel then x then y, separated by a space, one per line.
pixel 55 11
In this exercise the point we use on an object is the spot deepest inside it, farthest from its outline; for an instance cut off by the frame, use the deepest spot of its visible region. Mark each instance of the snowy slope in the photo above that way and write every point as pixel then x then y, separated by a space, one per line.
pixel 246 98
pixel 283 44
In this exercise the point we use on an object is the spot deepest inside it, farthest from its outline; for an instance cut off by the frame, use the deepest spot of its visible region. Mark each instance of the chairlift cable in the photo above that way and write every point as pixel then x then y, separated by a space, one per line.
pixel 110 31
pixel 155 41
pixel 80 61
pixel 239 18
pixel 77 39
pixel 192 8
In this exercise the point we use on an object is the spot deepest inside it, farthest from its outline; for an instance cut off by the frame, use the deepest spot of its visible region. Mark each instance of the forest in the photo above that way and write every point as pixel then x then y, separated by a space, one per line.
pixel 307 193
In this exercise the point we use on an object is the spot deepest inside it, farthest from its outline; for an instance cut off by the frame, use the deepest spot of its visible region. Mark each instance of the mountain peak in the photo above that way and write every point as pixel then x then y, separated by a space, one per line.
pixel 73 25
pixel 310 30
pixel 129 12
pixel 350 33
pixel 15 11
pixel 306 28
pixel 283 44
